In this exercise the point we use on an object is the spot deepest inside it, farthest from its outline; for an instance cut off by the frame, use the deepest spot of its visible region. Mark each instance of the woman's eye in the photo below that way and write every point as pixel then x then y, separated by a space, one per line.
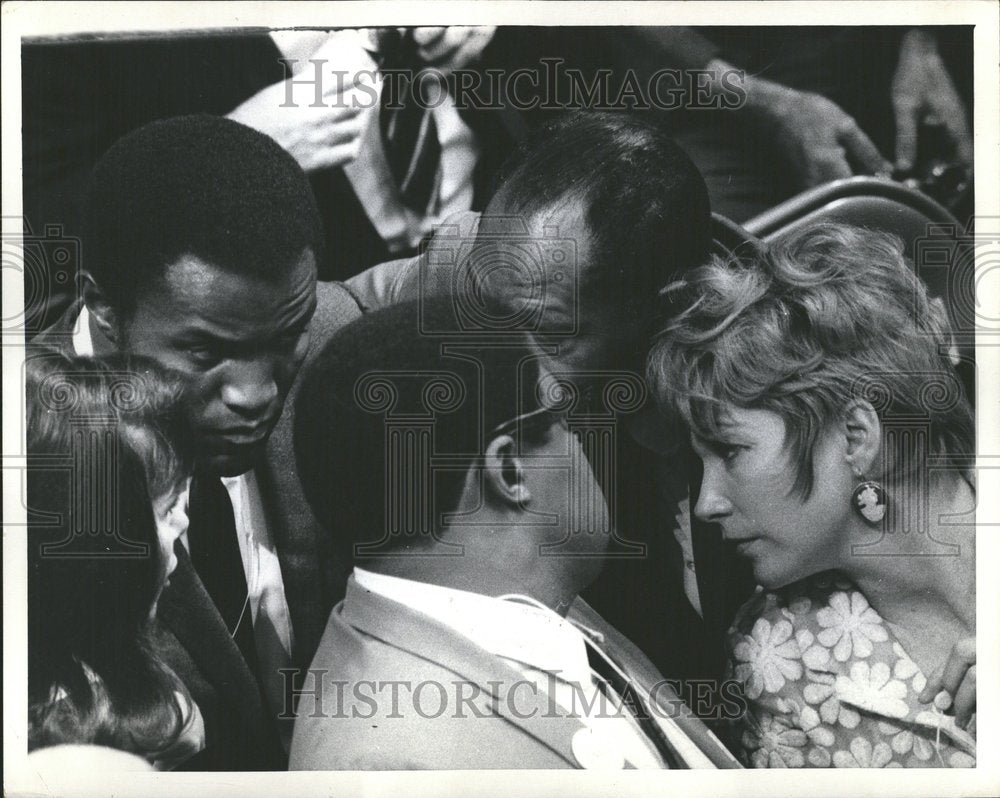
pixel 727 452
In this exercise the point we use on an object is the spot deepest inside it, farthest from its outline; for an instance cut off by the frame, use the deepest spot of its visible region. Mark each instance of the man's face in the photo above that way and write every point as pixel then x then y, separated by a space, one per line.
pixel 567 499
pixel 604 338
pixel 238 339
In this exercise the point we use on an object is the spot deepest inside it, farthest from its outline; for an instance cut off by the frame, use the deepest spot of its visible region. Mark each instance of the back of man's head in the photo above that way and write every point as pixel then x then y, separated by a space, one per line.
pixel 390 418
pixel 195 185
pixel 644 202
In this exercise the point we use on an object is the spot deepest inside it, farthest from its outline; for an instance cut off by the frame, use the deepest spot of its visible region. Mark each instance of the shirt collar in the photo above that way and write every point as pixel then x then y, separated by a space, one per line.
pixel 532 636
pixel 83 344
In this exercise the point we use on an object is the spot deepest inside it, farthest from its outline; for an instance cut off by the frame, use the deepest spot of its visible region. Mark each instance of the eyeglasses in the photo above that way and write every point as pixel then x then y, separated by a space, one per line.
pixel 538 419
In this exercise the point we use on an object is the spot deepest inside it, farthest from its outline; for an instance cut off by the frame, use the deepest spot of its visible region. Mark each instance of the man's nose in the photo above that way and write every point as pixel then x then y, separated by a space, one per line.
pixel 250 388
pixel 712 504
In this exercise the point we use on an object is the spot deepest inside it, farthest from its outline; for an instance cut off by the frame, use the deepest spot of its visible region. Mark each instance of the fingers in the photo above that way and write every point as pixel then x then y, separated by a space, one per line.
pixel 965 698
pixel 933 686
pixel 344 131
pixel 907 120
pixel 453 47
pixel 472 46
pixel 958 131
pixel 963 655
pixel 862 151
pixel 336 155
pixel 432 40
pixel 821 162
pixel 341 113
pixel 953 685
pixel 832 166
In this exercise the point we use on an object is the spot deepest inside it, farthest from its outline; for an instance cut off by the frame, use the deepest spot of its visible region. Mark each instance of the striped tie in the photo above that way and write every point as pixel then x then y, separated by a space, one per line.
pixel 406 122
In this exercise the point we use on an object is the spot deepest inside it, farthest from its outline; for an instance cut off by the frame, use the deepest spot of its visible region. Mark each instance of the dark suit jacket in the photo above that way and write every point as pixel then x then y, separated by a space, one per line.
pixel 193 638
pixel 348 722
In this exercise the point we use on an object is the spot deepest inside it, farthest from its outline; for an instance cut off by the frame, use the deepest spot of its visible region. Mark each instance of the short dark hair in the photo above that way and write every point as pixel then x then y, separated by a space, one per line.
pixel 646 203
pixel 195 185
pixel 381 370
pixel 93 676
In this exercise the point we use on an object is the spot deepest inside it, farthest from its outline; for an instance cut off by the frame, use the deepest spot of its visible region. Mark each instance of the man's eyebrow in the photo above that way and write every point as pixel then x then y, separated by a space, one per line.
pixel 199 333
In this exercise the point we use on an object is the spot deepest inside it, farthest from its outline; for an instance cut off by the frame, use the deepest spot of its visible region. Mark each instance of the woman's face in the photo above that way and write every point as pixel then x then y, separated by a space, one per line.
pixel 171 523
pixel 747 489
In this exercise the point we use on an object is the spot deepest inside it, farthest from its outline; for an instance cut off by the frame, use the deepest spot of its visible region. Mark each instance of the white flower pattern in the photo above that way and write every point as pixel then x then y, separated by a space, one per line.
pixel 852 626
pixel 767 657
pixel 776 744
pixel 823 692
pixel 871 687
pixel 828 686
pixel 862 754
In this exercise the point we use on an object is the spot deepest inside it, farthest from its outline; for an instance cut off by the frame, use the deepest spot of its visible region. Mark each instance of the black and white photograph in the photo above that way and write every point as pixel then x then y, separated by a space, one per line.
pixel 441 398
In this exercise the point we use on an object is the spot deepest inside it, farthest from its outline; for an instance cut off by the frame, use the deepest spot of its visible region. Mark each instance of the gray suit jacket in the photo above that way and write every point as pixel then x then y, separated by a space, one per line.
pixel 456 705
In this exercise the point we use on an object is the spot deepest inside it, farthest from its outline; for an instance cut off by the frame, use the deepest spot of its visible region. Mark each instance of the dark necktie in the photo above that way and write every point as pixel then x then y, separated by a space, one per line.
pixel 215 555
pixel 633 695
pixel 409 134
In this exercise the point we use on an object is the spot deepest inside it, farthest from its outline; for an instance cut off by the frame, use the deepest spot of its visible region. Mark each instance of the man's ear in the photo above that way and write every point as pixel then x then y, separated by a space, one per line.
pixel 863 432
pixel 504 472
pixel 100 308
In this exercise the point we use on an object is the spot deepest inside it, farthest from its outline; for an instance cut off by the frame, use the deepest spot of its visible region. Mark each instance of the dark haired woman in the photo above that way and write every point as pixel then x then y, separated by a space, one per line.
pixel 107 492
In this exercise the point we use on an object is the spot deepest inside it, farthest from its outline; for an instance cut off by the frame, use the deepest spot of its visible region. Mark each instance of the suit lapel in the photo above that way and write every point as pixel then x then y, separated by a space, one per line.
pixel 312 570
pixel 188 612
pixel 418 634
pixel 637 666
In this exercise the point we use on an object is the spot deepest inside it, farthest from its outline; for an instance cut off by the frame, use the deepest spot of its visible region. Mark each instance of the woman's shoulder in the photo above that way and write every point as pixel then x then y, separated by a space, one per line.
pixel 812 628
pixel 816 602
pixel 827 681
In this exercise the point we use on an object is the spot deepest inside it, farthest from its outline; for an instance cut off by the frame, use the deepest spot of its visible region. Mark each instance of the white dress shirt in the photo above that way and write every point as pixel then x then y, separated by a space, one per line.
pixel 545 648
pixel 399 227
pixel 265 587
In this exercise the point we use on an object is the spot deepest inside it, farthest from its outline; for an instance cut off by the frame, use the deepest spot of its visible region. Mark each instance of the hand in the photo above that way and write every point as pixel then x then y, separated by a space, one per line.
pixel 317 137
pixel 957 679
pixel 452 47
pixel 820 140
pixel 922 91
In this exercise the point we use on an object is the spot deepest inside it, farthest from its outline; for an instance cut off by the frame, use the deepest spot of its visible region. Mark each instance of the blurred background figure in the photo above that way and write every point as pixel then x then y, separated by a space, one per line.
pixel 821 103
pixel 94 677
pixel 824 103
pixel 82 95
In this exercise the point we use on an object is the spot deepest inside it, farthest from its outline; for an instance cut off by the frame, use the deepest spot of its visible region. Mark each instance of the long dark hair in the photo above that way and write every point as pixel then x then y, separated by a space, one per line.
pixel 105 440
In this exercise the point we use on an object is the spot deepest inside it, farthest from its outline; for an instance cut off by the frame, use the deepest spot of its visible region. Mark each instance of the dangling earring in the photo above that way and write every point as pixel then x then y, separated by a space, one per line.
pixel 869 500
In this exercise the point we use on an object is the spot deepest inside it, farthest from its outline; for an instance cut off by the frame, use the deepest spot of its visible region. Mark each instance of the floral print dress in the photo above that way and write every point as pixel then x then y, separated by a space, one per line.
pixel 827 685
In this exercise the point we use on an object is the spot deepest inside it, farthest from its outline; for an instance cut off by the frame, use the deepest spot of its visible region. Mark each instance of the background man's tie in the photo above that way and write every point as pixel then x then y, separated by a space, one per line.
pixel 409 134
